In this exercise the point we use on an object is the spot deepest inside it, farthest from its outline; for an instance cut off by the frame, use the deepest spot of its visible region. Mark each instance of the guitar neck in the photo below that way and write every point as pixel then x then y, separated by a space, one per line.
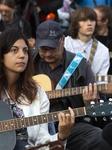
pixel 99 78
pixel 110 53
pixel 19 123
pixel 71 91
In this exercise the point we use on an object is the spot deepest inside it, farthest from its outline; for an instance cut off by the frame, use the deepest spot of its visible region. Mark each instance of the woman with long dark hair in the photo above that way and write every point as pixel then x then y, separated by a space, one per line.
pixel 22 94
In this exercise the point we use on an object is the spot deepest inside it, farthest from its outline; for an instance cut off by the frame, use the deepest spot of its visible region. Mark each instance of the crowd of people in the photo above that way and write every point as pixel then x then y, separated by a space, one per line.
pixel 70 57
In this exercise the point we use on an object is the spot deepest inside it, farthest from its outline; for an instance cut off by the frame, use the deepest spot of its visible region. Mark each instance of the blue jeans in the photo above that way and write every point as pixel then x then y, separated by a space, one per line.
pixel 20 145
pixel 86 137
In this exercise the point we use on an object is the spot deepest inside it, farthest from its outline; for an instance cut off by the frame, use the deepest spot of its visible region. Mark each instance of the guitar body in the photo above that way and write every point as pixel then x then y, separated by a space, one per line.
pixel 7 139
pixel 44 81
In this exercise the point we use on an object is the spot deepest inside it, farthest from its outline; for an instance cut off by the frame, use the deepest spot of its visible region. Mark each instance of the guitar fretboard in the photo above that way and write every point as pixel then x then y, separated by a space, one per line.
pixel 71 91
pixel 99 78
pixel 19 123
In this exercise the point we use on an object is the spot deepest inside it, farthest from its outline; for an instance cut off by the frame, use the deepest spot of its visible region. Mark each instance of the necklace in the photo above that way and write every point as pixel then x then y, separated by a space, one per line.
pixel 82 46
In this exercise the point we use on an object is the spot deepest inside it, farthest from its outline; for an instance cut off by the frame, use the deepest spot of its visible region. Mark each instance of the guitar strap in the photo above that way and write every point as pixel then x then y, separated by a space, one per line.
pixel 93 50
pixel 69 71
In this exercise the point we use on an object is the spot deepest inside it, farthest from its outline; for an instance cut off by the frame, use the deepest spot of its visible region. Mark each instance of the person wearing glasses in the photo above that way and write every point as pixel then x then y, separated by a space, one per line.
pixel 52 59
pixel 10 19
pixel 104 34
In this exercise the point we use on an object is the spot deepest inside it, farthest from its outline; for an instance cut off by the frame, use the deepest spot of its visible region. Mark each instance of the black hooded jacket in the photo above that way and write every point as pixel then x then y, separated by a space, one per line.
pixel 107 41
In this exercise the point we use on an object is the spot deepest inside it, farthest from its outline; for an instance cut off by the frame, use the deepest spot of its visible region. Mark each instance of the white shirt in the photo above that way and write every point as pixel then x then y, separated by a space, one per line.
pixel 101 60
pixel 38 133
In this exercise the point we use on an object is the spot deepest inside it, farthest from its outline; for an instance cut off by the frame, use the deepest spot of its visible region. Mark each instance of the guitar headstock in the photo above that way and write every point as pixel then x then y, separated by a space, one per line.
pixel 99 109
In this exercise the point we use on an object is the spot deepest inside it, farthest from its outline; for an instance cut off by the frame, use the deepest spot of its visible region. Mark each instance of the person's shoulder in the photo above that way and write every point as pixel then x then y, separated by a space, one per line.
pixel 22 19
pixel 68 41
pixel 86 62
pixel 70 54
pixel 25 21
pixel 41 91
pixel 101 47
pixel 67 38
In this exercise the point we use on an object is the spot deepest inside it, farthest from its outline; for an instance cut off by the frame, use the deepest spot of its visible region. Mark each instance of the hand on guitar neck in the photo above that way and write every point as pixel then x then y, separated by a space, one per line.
pixel 108 91
pixel 90 93
pixel 66 122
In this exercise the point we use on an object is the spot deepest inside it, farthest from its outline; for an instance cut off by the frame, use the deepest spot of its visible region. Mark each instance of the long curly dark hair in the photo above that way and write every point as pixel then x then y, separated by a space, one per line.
pixel 26 86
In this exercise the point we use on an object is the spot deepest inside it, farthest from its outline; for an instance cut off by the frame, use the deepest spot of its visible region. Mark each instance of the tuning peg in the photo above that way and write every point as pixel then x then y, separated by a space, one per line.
pixel 110 99
pixel 101 101
pixel 104 118
pixel 110 118
pixel 95 119
pixel 92 102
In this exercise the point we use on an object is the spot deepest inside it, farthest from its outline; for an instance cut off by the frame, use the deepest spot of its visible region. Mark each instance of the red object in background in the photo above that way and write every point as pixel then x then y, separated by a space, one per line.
pixel 50 16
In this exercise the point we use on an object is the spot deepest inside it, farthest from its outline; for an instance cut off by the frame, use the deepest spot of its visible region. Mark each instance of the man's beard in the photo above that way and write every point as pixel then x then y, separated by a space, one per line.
pixel 8 19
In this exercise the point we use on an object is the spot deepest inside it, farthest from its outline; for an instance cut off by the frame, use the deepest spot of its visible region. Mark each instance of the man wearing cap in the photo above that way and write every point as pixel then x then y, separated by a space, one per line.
pixel 52 59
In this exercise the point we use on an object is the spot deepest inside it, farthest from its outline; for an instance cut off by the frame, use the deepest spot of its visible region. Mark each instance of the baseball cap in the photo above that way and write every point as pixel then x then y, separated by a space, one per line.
pixel 48 33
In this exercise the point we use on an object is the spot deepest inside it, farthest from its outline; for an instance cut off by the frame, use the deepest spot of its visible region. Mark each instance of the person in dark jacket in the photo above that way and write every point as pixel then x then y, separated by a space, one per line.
pixel 107 133
pixel 10 19
pixel 44 7
pixel 104 34
pixel 40 9
pixel 52 60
